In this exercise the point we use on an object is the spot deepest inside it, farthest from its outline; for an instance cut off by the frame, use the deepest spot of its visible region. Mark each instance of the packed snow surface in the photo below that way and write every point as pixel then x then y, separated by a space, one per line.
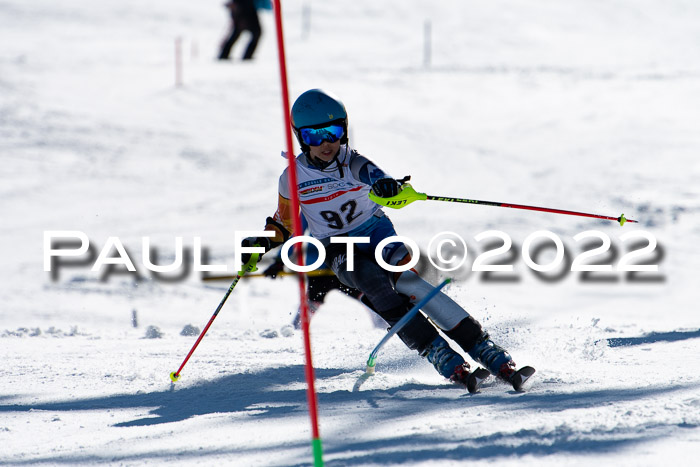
pixel 580 105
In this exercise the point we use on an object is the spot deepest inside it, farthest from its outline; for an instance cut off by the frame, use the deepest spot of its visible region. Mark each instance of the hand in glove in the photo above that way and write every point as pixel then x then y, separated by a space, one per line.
pixel 252 241
pixel 274 269
pixel 385 188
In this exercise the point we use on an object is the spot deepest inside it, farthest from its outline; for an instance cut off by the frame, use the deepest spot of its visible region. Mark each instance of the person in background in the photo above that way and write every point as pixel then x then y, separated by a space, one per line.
pixel 244 17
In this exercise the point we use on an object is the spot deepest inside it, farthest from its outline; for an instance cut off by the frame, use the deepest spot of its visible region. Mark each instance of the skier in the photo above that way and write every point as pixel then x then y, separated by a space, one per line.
pixel 333 186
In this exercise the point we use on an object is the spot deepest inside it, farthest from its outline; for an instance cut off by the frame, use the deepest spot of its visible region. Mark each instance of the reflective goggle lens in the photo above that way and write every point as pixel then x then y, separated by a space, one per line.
pixel 316 136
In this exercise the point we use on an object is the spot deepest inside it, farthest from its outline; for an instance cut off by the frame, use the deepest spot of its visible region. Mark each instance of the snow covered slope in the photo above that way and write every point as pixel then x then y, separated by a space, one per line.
pixel 581 105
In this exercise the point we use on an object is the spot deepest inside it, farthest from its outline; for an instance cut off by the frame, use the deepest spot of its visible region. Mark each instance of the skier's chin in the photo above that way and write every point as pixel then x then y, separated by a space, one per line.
pixel 324 158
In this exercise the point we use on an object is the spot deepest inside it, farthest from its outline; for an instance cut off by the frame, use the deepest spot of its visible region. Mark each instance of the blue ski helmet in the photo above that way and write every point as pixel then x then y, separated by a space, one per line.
pixel 317 108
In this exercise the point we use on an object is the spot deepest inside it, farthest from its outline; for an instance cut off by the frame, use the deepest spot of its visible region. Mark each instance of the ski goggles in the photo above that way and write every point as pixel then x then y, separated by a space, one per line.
pixel 316 136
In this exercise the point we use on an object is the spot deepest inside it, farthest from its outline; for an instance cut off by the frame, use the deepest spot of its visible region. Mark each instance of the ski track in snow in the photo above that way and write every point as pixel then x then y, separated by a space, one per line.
pixel 579 105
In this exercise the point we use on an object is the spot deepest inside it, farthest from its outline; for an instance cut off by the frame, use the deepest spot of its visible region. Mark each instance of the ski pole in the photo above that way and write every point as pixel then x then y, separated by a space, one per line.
pixel 371 362
pixel 409 195
pixel 248 267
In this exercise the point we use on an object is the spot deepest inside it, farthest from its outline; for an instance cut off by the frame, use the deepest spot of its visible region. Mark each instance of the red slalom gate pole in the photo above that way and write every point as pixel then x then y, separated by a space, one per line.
pixel 298 231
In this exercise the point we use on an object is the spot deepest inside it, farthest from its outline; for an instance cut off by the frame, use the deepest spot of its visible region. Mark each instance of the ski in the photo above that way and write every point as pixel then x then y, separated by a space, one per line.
pixel 475 379
pixel 517 380
pixel 520 377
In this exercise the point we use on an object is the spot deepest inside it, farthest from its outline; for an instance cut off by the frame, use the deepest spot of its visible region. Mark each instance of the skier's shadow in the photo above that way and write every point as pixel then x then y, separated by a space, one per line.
pixel 260 394
pixel 276 393
pixel 238 392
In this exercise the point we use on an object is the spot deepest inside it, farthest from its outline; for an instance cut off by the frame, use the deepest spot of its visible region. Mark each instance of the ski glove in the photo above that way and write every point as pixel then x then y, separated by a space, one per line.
pixel 274 269
pixel 385 188
pixel 253 241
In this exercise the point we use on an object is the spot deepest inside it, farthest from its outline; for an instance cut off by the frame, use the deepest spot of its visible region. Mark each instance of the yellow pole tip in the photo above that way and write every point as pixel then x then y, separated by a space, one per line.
pixel 174 376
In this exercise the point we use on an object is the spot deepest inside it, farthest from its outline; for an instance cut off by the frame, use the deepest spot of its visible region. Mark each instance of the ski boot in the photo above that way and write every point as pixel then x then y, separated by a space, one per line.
pixel 452 366
pixel 500 363
pixel 471 380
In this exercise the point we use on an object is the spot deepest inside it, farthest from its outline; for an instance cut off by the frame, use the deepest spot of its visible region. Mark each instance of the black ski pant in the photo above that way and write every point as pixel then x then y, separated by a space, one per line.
pixel 375 284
